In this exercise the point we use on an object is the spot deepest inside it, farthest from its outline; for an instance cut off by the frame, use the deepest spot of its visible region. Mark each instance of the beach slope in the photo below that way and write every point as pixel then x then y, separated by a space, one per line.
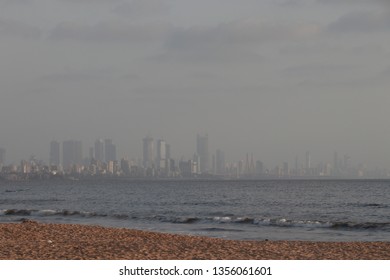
pixel 31 240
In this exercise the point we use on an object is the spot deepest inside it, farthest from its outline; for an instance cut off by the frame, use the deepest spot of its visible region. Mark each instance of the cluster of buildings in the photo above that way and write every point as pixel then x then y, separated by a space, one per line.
pixel 67 160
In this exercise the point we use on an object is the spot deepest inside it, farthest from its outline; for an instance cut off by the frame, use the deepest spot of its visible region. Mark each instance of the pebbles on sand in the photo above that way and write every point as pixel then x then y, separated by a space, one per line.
pixel 38 241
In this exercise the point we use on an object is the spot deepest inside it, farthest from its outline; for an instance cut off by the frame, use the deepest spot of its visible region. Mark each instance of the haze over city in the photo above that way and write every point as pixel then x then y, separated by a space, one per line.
pixel 275 78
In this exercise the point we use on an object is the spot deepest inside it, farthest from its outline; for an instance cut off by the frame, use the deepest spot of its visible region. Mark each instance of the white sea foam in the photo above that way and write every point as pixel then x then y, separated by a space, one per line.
pixel 47 212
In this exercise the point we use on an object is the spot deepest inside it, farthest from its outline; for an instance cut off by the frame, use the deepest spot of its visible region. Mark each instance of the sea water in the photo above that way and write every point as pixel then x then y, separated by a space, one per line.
pixel 317 210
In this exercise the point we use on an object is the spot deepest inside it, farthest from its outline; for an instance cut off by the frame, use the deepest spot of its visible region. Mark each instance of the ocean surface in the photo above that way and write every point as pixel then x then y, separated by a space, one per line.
pixel 317 210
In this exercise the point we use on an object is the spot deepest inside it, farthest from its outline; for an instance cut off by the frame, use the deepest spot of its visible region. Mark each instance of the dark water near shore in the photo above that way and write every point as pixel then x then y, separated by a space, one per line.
pixel 289 210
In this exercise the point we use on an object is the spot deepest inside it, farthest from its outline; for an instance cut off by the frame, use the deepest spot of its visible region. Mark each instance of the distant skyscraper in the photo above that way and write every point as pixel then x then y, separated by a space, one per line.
pixel 91 153
pixel 168 151
pixel 202 150
pixel 252 166
pixel 196 165
pixel 2 156
pixel 125 166
pixel 54 153
pixel 161 160
pixel 170 162
pixel 247 165
pixel 259 167
pixel 99 150
pixel 148 152
pixel 109 150
pixel 72 153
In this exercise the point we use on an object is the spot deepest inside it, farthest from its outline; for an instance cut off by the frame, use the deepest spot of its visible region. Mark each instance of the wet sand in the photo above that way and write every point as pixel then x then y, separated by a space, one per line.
pixel 30 240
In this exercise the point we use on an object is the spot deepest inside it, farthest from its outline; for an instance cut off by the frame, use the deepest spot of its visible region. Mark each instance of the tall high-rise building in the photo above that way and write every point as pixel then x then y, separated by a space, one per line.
pixel 196 165
pixel 2 156
pixel 170 165
pixel 259 167
pixel 252 165
pixel 125 166
pixel 99 150
pixel 202 150
pixel 247 165
pixel 72 153
pixel 161 159
pixel 168 151
pixel 109 150
pixel 54 153
pixel 91 153
pixel 148 152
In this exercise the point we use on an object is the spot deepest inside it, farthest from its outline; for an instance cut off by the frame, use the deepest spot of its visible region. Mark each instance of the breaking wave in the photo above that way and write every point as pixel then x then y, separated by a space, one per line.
pixel 361 226
pixel 371 205
pixel 211 220
pixel 48 212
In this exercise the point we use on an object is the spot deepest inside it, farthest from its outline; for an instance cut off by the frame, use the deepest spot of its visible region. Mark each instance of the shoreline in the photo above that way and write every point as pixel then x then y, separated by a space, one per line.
pixel 31 240
pixel 67 178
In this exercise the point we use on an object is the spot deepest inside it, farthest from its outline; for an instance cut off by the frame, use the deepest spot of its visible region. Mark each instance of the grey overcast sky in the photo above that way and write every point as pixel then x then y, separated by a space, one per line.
pixel 273 77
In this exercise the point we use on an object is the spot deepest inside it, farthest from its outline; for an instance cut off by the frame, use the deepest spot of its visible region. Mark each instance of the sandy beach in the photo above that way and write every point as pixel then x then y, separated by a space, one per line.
pixel 30 240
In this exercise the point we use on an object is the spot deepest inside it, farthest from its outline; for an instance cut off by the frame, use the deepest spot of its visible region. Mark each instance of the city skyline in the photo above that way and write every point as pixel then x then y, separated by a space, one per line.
pixel 275 78
pixel 157 161
pixel 112 153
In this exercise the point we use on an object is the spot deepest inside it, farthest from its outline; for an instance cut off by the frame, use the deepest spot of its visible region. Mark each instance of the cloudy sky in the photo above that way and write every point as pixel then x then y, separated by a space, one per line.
pixel 273 77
